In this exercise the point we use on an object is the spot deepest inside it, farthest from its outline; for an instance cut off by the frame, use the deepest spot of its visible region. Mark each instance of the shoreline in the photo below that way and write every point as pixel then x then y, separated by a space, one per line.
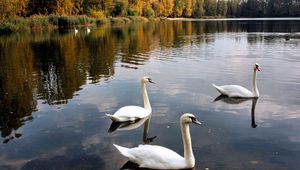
pixel 233 19
pixel 52 22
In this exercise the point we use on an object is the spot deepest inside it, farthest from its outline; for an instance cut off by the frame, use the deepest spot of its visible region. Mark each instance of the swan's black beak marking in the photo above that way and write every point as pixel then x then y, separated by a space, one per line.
pixel 194 120
pixel 150 81
pixel 257 67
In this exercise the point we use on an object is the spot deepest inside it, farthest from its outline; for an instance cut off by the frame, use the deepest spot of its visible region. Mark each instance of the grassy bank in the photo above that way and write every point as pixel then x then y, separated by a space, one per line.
pixel 40 22
pixel 51 22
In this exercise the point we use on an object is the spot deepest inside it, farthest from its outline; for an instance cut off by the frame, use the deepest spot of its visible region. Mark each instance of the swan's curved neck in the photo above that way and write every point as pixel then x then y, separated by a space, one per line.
pixel 187 145
pixel 145 96
pixel 254 86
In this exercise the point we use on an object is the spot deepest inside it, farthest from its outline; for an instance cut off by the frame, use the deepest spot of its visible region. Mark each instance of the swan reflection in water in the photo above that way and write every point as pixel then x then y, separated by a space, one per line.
pixel 130 125
pixel 231 100
pixel 134 166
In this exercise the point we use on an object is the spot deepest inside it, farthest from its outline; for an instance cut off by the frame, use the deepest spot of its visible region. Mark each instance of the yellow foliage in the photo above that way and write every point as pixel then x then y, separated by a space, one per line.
pixel 98 14
pixel 12 8
pixel 64 7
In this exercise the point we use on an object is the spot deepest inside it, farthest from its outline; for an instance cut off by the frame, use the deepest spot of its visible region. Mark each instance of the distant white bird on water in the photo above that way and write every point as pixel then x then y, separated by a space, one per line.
pixel 239 91
pixel 158 157
pixel 88 30
pixel 132 113
pixel 75 30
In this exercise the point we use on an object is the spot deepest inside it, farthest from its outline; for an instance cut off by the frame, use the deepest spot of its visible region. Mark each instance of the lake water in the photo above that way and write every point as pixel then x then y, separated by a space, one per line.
pixel 55 88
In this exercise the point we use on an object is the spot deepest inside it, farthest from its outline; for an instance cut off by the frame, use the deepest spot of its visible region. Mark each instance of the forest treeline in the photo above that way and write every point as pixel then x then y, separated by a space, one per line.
pixel 151 8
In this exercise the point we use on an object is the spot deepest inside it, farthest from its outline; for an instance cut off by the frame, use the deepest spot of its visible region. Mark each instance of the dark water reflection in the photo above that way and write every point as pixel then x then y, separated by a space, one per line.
pixel 55 88
pixel 230 100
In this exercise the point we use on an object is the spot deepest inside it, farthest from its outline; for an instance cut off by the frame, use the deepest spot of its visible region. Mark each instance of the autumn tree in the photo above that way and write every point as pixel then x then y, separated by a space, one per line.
pixel 13 8
pixel 64 7
pixel 198 10
pixel 163 7
pixel 232 9
pixel 210 7
pixel 158 8
pixel 78 7
pixel 221 8
pixel 147 9
pixel 92 5
pixel 179 6
pixel 135 7
pixel 169 5
pixel 188 8
pixel 150 8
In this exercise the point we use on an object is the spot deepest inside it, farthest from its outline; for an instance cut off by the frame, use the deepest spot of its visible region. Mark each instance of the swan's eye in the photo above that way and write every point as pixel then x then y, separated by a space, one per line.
pixel 193 119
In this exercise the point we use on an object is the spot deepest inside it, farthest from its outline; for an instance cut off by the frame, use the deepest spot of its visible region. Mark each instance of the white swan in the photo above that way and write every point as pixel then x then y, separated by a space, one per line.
pixel 75 31
pixel 132 113
pixel 88 30
pixel 158 157
pixel 239 91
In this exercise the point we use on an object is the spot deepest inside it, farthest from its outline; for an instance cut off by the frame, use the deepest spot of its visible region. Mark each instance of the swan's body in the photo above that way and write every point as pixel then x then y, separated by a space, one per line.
pixel 158 157
pixel 129 113
pixel 234 91
pixel 88 30
pixel 239 91
pixel 132 113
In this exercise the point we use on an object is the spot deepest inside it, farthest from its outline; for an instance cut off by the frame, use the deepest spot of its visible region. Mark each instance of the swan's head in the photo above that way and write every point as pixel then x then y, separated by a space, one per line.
pixel 147 79
pixel 256 67
pixel 189 118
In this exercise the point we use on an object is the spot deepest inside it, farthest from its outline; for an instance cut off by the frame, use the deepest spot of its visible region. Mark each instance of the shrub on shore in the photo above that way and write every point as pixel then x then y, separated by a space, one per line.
pixel 41 22
pixel 129 19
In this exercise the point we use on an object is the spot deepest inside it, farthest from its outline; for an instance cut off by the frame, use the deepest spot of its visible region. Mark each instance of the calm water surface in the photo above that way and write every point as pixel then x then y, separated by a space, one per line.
pixel 55 89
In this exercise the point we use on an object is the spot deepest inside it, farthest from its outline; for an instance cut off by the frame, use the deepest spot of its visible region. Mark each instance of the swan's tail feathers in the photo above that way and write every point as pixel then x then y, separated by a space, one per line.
pixel 215 85
pixel 218 88
pixel 113 118
pixel 123 150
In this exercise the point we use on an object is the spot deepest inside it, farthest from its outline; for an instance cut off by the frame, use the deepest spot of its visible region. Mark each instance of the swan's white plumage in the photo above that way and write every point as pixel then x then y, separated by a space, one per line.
pixel 129 113
pixel 234 91
pixel 153 156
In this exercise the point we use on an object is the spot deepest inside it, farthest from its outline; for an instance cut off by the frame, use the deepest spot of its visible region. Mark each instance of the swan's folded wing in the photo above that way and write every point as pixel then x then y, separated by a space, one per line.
pixel 156 157
pixel 235 91
pixel 133 111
